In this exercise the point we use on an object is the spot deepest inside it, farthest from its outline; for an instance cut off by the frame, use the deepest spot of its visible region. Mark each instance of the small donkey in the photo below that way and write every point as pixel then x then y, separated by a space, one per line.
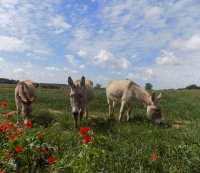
pixel 24 97
pixel 81 95
pixel 126 92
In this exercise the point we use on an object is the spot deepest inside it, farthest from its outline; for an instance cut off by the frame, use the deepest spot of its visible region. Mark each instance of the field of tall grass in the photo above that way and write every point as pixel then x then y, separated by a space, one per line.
pixel 137 146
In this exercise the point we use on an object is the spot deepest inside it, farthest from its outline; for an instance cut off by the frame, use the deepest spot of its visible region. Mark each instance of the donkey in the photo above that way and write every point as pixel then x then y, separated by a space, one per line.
pixel 125 92
pixel 24 97
pixel 81 94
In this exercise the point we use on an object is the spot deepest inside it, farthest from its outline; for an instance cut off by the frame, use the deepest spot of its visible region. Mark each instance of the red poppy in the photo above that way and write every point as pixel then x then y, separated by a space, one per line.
pixel 44 150
pixel 154 156
pixel 28 124
pixel 9 115
pixel 40 136
pixel 18 148
pixel 12 137
pixel 84 130
pixel 4 104
pixel 87 139
pixel 51 160
pixel 7 155
pixel 1 171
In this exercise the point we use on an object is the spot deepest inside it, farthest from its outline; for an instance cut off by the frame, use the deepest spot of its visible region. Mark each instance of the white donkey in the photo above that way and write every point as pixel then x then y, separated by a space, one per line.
pixel 81 95
pixel 125 92
pixel 24 97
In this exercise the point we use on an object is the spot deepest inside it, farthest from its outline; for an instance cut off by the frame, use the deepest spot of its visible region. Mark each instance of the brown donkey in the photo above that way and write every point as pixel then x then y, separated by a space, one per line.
pixel 81 94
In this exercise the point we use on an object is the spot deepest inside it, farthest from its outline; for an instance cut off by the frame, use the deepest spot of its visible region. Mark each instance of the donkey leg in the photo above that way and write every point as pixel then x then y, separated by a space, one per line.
pixel 86 113
pixel 75 120
pixel 110 104
pixel 122 109
pixel 19 110
pixel 81 114
pixel 129 112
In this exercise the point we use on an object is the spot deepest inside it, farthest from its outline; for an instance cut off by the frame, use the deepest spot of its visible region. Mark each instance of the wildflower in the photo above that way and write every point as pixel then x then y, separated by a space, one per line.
pixel 1 171
pixel 28 124
pixel 40 136
pixel 154 156
pixel 44 150
pixel 12 137
pixel 7 155
pixel 9 115
pixel 18 148
pixel 51 160
pixel 4 104
pixel 87 139
pixel 84 130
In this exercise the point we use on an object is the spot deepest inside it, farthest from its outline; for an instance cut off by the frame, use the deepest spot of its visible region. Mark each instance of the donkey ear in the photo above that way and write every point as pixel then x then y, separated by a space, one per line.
pixel 71 83
pixel 83 81
pixel 159 96
pixel 153 97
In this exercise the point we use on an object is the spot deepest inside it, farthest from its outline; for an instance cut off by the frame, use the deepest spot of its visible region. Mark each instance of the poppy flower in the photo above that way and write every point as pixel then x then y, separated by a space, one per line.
pixel 84 130
pixel 28 124
pixel 18 148
pixel 12 137
pixel 1 171
pixel 9 115
pixel 4 104
pixel 154 156
pixel 7 155
pixel 40 136
pixel 44 150
pixel 87 139
pixel 51 160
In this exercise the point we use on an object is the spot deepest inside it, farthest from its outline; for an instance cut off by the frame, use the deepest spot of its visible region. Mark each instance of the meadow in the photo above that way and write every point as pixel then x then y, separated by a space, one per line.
pixel 137 146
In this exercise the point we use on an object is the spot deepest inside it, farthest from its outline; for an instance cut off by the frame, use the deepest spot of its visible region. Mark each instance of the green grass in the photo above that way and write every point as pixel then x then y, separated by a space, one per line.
pixel 125 146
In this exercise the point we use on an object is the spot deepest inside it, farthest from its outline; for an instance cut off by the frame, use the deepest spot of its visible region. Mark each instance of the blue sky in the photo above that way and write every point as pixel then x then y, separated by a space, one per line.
pixel 145 41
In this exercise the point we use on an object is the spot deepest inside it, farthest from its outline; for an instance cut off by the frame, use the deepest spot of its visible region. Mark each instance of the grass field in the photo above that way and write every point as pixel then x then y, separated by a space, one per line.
pixel 119 146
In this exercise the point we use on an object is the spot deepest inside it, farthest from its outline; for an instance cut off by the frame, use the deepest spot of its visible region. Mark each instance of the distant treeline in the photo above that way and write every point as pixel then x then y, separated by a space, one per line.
pixel 189 87
pixel 8 81
pixel 40 85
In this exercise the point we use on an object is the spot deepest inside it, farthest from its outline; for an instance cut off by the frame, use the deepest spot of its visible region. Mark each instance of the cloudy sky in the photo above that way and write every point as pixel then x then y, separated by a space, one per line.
pixel 142 40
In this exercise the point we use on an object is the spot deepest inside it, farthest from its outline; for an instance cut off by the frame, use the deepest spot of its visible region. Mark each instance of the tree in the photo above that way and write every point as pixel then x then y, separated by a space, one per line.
pixel 148 86
pixel 98 86
pixel 193 86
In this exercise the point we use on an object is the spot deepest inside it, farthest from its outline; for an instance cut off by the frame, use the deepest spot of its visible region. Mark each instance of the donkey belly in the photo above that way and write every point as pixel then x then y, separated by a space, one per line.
pixel 116 94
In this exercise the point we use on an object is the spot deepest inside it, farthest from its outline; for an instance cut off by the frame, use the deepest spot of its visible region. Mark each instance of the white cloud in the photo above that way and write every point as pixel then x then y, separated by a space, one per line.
pixel 70 71
pixel 11 44
pixel 82 66
pixel 1 60
pixel 149 74
pixel 59 23
pixel 82 53
pixel 52 68
pixel 106 59
pixel 167 58
pixel 82 34
pixel 153 12
pixel 191 44
pixel 133 76
pixel 71 60
pixel 19 71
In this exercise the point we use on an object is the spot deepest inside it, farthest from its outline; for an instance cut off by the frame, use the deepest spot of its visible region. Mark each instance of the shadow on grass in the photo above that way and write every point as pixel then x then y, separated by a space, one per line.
pixel 107 124
pixel 44 119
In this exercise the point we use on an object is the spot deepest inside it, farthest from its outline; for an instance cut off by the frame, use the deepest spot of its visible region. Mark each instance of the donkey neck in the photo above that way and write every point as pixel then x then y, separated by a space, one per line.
pixel 141 95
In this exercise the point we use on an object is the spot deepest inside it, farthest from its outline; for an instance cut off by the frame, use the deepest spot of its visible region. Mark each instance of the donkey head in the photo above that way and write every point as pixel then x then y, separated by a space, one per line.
pixel 76 96
pixel 154 110
pixel 26 101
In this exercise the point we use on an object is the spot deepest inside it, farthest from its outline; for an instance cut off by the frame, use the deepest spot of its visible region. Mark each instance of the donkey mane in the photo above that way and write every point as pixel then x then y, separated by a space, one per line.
pixel 141 94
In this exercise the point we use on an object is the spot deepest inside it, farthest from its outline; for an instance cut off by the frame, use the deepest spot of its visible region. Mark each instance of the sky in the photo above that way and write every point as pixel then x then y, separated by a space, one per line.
pixel 146 41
